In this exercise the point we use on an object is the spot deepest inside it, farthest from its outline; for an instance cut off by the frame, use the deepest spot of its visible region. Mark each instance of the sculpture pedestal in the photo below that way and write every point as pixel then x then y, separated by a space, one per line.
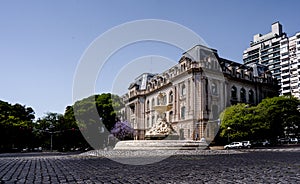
pixel 161 145
pixel 161 130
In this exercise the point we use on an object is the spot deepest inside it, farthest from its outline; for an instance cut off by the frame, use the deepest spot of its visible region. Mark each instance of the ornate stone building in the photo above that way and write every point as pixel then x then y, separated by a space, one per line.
pixel 199 88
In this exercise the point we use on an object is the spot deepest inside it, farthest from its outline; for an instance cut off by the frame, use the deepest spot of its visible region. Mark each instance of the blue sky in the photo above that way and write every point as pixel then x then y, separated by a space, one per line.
pixel 41 42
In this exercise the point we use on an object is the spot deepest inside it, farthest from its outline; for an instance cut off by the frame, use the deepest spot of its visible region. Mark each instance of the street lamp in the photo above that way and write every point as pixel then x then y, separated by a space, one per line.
pixel 49 130
pixel 197 131
pixel 228 129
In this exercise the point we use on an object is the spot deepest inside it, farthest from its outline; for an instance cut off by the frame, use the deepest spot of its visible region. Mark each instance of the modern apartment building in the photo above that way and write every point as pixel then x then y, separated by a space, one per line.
pixel 290 65
pixel 281 54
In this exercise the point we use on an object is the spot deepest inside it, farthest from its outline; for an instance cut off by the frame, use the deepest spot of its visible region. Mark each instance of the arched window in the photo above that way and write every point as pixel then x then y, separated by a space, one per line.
pixel 164 100
pixel 148 105
pixel 243 95
pixel 158 101
pixel 148 122
pixel 170 116
pixel 242 74
pixel 152 103
pixel 152 120
pixel 251 96
pixel 182 112
pixel 215 112
pixel 214 88
pixel 171 97
pixel 233 71
pixel 251 75
pixel 183 90
pixel 234 93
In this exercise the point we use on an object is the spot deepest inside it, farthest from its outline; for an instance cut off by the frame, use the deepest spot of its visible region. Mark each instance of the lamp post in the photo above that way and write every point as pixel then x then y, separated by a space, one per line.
pixel 51 143
pixel 50 131
pixel 197 131
pixel 228 129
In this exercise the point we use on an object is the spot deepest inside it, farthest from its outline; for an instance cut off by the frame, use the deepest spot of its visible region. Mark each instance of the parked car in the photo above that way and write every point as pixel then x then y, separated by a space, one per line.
pixel 283 140
pixel 293 140
pixel 265 143
pixel 38 149
pixel 261 143
pixel 24 150
pixel 234 145
pixel 246 144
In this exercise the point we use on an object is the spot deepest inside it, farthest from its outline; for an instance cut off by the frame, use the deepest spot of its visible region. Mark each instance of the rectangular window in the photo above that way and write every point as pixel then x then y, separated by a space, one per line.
pixel 276 48
pixel 286 59
pixel 284 66
pixel 277 71
pixel 264 52
pixel 182 113
pixel 284 49
pixel 277 65
pixel 275 43
pixel 284 71
pixel 285 77
pixel 276 54
pixel 253 52
pixel 183 90
pixel 265 58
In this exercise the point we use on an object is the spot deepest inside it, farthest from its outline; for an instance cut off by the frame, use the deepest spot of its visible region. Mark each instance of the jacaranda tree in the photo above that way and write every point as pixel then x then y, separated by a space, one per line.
pixel 122 130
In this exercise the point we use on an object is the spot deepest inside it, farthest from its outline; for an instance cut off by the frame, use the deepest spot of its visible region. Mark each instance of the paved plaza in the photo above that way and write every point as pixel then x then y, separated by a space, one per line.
pixel 205 166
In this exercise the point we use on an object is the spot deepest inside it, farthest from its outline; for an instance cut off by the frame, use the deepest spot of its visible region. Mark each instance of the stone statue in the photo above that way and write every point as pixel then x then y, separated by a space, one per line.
pixel 161 129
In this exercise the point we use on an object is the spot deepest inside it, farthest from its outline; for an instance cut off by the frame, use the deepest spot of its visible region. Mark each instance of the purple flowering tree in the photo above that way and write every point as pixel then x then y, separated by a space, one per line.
pixel 122 130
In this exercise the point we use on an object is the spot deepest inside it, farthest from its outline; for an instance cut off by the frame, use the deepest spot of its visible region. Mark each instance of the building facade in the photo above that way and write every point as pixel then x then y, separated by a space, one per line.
pixel 198 88
pixel 281 54
pixel 290 65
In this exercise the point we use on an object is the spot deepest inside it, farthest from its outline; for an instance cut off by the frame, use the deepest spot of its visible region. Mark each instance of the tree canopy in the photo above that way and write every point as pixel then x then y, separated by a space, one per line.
pixel 16 122
pixel 96 116
pixel 272 118
pixel 102 108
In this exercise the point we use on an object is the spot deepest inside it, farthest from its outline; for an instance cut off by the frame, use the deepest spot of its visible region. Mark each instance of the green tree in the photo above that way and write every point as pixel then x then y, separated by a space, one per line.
pixel 72 137
pixel 16 123
pixel 63 128
pixel 281 114
pixel 49 126
pixel 96 116
pixel 272 118
pixel 238 122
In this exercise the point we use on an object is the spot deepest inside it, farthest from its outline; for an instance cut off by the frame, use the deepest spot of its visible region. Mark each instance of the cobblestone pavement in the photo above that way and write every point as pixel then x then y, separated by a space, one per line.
pixel 229 167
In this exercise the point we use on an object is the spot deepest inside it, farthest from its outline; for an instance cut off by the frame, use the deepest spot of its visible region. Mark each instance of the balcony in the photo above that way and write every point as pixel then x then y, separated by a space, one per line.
pixel 285 62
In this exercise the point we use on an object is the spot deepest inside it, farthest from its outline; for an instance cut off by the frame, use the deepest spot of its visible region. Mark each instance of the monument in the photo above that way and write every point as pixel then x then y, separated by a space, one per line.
pixel 161 129
pixel 161 136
